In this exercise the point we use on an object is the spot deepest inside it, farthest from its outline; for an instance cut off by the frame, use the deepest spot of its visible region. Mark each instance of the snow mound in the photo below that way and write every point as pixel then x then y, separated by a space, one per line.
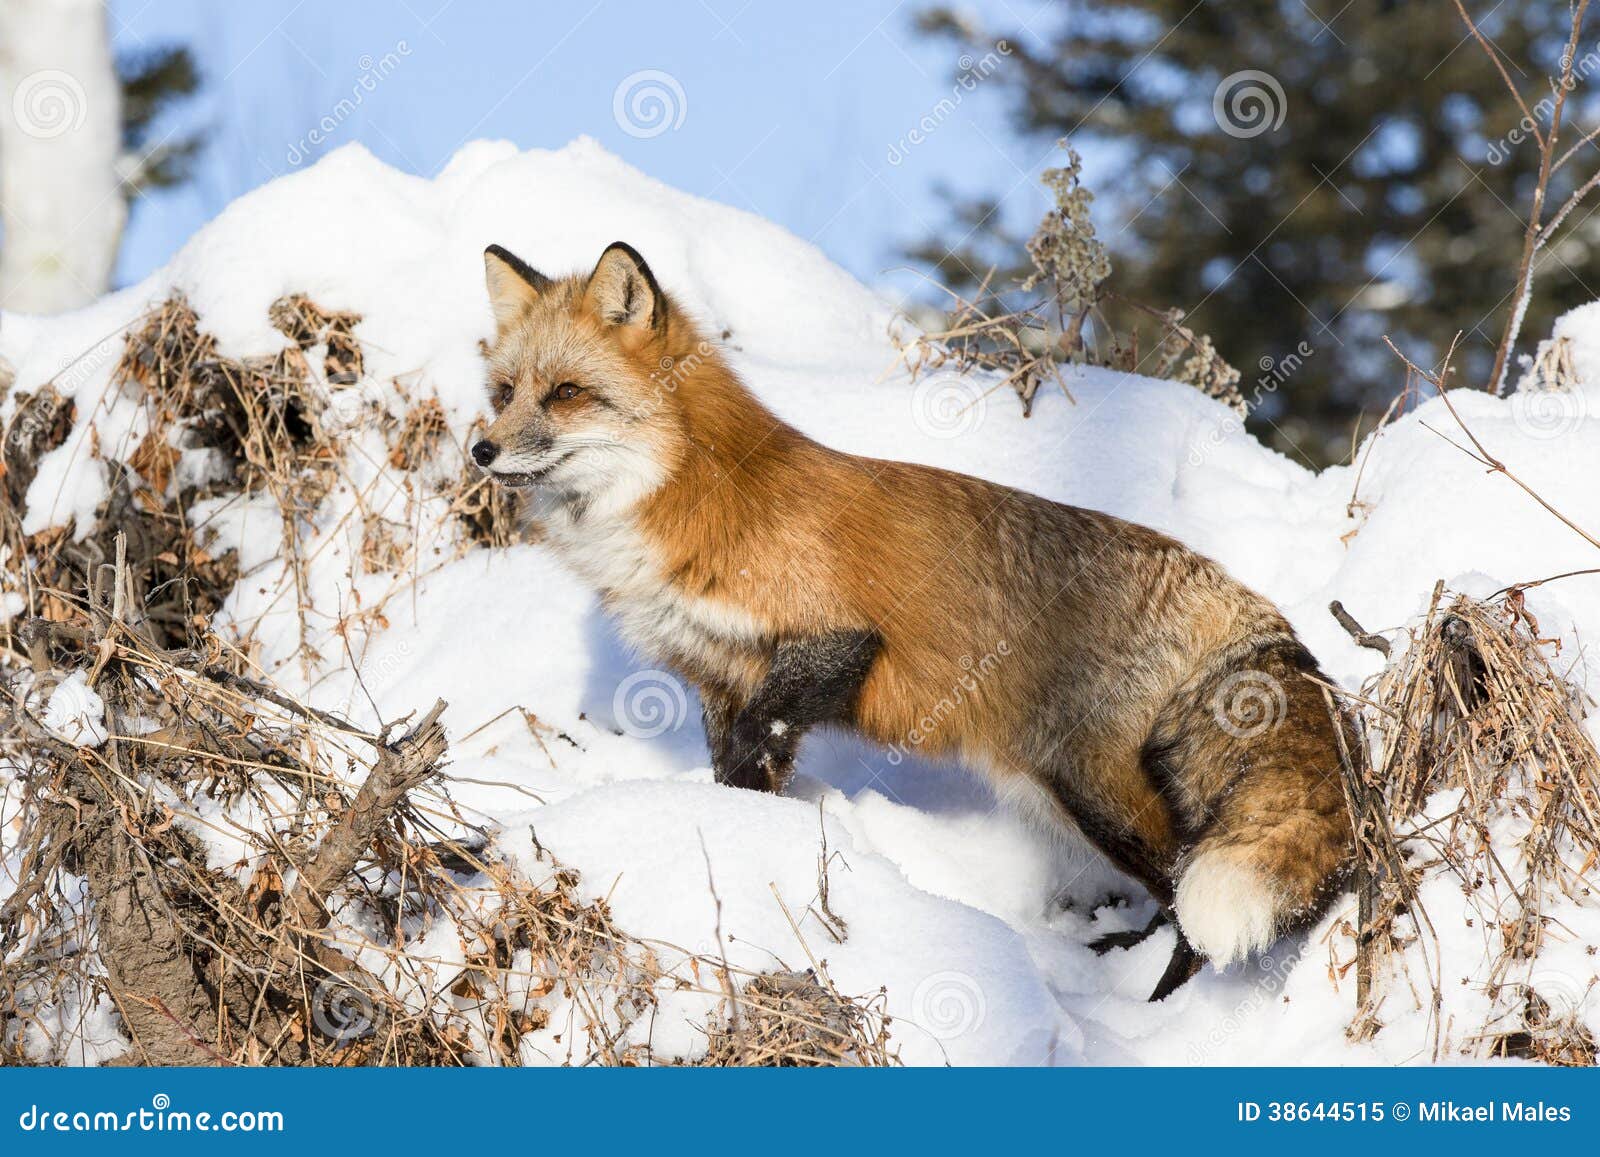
pixel 973 920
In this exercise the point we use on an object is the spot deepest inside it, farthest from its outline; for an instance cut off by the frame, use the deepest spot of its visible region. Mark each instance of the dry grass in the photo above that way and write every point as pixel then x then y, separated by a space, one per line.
pixel 1028 333
pixel 297 952
pixel 1482 773
pixel 799 1019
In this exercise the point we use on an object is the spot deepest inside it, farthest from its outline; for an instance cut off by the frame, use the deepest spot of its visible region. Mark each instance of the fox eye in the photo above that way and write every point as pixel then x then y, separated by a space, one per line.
pixel 502 395
pixel 566 391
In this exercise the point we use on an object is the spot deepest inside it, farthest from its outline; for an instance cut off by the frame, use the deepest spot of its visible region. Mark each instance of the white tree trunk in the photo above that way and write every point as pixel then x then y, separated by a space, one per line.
pixel 61 207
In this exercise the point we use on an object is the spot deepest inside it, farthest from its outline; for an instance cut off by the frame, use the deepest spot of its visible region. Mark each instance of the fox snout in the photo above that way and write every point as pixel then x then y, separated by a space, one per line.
pixel 511 450
pixel 488 448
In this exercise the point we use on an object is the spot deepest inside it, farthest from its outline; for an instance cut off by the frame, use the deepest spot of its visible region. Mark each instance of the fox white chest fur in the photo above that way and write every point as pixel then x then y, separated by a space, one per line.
pixel 651 614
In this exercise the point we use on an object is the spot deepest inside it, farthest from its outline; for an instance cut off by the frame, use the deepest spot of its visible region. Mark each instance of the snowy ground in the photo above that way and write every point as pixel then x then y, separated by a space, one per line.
pixel 973 921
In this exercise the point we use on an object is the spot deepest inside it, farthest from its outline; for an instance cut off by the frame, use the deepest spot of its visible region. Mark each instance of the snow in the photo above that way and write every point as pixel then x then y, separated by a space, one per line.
pixel 972 917
pixel 984 995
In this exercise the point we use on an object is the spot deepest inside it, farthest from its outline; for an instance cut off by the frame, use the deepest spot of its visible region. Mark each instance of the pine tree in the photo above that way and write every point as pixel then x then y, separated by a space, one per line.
pixel 153 81
pixel 1305 173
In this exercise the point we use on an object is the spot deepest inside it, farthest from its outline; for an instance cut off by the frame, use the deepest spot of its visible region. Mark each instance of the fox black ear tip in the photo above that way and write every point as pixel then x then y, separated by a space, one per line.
pixel 624 247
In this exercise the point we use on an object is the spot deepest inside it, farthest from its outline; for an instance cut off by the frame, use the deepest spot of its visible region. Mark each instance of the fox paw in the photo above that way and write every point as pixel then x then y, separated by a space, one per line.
pixel 760 756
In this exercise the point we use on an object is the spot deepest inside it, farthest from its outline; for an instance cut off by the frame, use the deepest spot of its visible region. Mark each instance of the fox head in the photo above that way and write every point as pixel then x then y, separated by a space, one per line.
pixel 582 380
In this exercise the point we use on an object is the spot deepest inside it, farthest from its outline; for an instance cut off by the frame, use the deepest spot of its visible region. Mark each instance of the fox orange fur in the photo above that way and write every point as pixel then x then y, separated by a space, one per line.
pixel 1129 687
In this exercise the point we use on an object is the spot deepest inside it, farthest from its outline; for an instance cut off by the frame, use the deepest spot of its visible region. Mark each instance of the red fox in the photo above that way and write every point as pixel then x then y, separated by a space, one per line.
pixel 1129 686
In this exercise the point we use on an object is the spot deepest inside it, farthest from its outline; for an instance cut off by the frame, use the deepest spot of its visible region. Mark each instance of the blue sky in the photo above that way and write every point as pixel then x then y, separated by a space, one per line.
pixel 802 113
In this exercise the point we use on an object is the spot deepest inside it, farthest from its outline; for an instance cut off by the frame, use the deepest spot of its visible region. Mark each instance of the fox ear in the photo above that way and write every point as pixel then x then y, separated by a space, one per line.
pixel 513 285
pixel 624 292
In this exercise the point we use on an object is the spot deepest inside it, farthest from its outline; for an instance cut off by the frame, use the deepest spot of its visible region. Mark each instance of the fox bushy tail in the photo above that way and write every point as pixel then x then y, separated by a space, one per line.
pixel 1248 756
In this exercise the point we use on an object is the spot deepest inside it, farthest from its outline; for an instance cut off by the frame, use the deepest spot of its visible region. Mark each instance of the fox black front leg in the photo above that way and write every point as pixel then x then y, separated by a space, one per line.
pixel 718 709
pixel 812 680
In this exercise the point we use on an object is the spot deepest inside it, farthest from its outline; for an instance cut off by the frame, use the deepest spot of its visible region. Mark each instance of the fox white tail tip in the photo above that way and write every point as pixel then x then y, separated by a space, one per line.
pixel 1226 906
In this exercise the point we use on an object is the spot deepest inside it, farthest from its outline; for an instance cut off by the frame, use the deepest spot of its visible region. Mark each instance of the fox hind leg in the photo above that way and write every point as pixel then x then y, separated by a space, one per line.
pixel 1119 808
pixel 1132 938
pixel 1181 965
pixel 1181 968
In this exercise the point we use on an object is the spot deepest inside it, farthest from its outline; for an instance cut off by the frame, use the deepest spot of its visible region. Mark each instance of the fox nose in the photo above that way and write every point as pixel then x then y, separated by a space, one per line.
pixel 484 451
